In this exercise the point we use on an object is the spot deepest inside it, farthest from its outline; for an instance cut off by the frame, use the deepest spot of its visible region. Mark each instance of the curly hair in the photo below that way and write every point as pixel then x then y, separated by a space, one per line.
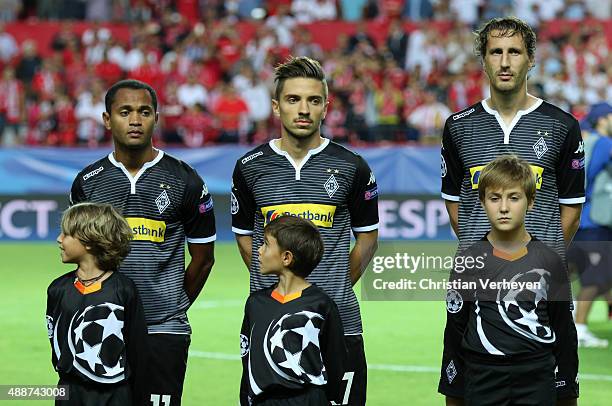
pixel 506 27
pixel 102 230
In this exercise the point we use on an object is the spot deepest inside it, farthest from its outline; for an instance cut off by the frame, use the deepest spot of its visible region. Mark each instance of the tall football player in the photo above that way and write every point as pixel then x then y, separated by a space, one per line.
pixel 164 201
pixel 511 121
pixel 303 174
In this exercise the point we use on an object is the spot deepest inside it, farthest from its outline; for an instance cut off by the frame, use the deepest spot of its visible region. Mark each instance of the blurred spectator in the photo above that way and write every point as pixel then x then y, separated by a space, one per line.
pixel 192 92
pixel 48 9
pixel 232 112
pixel 108 71
pixel 397 42
pixel 308 11
pixel 46 80
pixel 419 10
pixel 246 7
pixel 258 100
pixel 361 38
pixel 466 11
pixel 429 118
pixel 98 10
pixel 171 111
pixel 497 8
pixel 12 107
pixel 352 10
pixel 196 127
pixel 391 9
pixel 9 10
pixel 601 9
pixel 282 23
pixel 305 46
pixel 88 112
pixel 388 102
pixel 8 45
pixel 335 125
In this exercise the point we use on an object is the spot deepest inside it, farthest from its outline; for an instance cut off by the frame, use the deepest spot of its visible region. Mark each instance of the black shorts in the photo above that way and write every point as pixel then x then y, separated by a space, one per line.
pixel 313 396
pixel 356 374
pixel 591 255
pixel 84 394
pixel 528 383
pixel 166 366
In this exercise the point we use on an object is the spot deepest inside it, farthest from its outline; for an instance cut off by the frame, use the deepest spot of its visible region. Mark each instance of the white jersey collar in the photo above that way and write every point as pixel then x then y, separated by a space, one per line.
pixel 508 129
pixel 134 179
pixel 310 153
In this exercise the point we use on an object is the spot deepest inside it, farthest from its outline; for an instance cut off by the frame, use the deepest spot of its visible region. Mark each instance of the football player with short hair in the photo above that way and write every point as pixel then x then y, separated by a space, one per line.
pixel 303 174
pixel 165 202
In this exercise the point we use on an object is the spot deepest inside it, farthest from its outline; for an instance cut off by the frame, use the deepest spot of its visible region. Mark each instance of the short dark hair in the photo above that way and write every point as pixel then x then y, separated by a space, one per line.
pixel 128 84
pixel 507 27
pixel 298 67
pixel 100 227
pixel 504 172
pixel 302 238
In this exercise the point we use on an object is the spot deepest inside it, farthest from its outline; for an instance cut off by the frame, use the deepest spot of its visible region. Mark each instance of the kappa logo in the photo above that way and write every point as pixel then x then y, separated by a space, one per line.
pixel 321 215
pixel 331 186
pixel 372 179
pixel 464 114
pixel 162 201
pixel 451 371
pixel 205 190
pixel 580 148
pixel 165 186
pixel 251 157
pixel 93 173
pixel 540 148
pixel 475 172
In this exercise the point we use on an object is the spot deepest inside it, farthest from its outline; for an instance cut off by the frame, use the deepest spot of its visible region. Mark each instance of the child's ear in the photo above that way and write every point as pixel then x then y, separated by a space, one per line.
pixel 530 205
pixel 287 257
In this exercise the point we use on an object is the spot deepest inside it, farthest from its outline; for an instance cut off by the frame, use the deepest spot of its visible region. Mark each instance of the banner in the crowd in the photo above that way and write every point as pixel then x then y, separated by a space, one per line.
pixel 32 171
pixel 402 217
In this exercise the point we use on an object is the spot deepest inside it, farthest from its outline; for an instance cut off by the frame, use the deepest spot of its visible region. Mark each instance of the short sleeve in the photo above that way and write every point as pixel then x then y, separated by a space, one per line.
pixel 570 169
pixel 197 211
pixel 77 195
pixel 451 170
pixel 242 204
pixel 363 199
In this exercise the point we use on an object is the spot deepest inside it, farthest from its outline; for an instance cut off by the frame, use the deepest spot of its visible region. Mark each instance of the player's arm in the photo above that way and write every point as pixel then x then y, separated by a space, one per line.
pixel 364 249
pixel 243 215
pixel 245 246
pixel 452 208
pixel 363 208
pixel 334 353
pixel 136 345
pixel 570 220
pixel 570 181
pixel 77 195
pixel 566 340
pixel 199 224
pixel 245 347
pixel 198 270
pixel 451 171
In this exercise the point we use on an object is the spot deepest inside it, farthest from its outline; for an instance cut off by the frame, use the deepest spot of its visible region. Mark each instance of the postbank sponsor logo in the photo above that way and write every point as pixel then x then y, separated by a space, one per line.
pixel 475 172
pixel 322 215
pixel 147 229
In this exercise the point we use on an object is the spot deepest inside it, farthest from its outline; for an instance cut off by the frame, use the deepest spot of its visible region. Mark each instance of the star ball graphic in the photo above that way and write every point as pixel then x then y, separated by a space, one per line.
pixel 291 347
pixel 96 342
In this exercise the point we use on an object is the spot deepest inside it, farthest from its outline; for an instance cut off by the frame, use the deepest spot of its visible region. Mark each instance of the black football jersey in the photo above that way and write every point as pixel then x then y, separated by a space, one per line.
pixel 164 204
pixel 332 186
pixel 290 343
pixel 97 337
pixel 515 307
pixel 543 135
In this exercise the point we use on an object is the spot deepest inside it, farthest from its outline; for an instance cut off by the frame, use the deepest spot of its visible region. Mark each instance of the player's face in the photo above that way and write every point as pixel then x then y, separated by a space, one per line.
pixel 72 250
pixel 301 107
pixel 132 119
pixel 506 208
pixel 506 63
pixel 270 256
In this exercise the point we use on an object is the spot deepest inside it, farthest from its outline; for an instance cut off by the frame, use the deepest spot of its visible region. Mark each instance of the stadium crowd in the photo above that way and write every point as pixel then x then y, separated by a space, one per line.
pixel 215 87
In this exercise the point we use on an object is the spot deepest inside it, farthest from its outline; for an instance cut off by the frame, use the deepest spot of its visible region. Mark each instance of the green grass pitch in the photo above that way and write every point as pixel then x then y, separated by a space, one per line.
pixel 403 339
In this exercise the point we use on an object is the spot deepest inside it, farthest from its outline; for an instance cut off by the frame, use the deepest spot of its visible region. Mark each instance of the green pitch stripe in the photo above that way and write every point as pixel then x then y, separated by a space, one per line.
pixel 378 367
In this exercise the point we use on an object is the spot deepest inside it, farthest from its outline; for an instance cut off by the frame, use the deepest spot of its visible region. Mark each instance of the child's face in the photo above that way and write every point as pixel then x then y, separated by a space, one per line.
pixel 270 256
pixel 506 208
pixel 72 250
